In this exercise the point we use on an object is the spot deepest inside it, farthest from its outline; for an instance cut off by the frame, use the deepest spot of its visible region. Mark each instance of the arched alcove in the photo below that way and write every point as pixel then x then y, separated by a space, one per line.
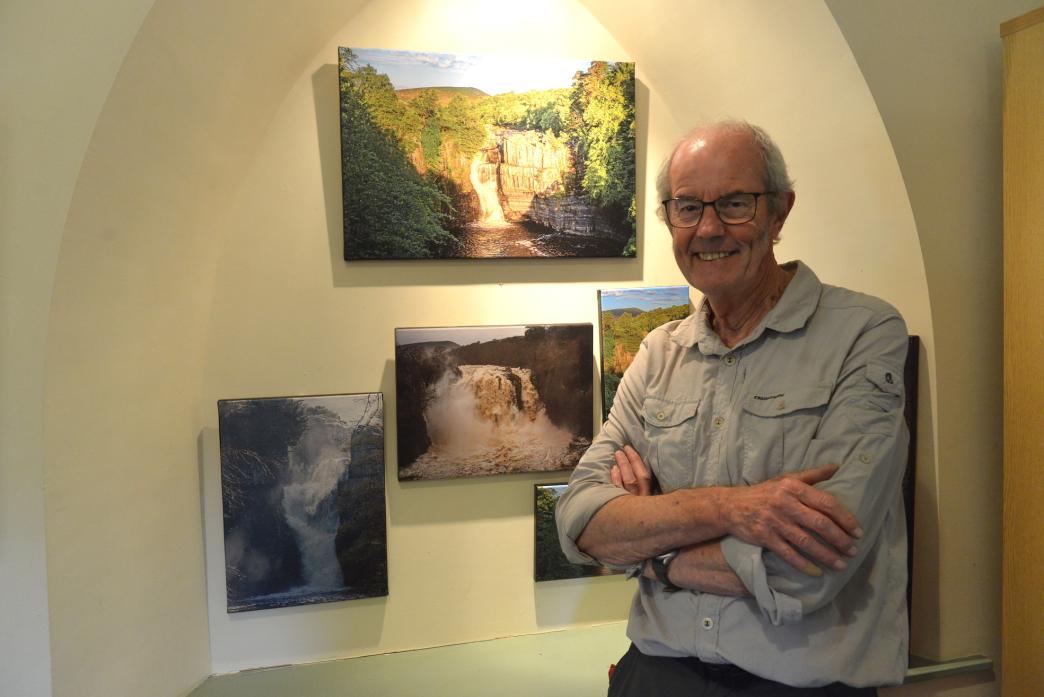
pixel 199 261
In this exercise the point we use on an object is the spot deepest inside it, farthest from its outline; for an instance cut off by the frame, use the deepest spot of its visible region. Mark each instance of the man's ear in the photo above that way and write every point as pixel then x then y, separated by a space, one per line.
pixel 785 203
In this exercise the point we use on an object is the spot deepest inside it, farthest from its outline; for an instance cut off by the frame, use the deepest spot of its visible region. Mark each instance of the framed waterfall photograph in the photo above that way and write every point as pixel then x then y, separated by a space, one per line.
pixel 447 156
pixel 625 316
pixel 474 401
pixel 302 492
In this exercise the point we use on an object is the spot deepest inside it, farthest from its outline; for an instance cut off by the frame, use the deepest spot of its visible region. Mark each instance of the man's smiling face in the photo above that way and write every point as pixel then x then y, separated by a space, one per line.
pixel 723 261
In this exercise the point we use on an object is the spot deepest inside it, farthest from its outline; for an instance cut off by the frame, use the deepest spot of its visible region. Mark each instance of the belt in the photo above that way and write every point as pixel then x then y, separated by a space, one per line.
pixel 720 672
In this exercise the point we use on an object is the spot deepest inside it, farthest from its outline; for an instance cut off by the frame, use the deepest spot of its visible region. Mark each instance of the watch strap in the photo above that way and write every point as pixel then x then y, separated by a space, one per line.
pixel 659 566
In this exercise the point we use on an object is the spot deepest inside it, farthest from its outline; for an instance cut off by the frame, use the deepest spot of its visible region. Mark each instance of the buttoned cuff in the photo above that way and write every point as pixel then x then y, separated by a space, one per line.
pixel 746 561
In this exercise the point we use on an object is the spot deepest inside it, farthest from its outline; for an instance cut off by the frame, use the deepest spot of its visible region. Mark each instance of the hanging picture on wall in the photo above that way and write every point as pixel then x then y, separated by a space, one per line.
pixel 626 315
pixel 549 563
pixel 473 401
pixel 457 156
pixel 302 490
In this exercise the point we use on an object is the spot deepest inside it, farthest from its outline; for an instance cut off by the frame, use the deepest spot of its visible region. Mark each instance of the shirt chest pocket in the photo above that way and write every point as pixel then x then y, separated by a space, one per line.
pixel 775 430
pixel 670 429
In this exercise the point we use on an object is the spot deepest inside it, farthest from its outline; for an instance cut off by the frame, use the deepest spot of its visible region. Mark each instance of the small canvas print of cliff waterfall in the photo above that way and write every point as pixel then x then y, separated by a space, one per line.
pixel 626 315
pixel 549 562
pixel 457 156
pixel 475 401
pixel 302 489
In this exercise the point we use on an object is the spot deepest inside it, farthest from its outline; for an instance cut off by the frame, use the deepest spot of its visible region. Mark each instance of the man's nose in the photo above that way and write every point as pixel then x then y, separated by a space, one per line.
pixel 710 224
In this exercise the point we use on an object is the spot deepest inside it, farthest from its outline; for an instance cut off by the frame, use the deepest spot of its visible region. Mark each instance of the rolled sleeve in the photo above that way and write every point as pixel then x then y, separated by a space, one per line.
pixel 746 560
pixel 590 486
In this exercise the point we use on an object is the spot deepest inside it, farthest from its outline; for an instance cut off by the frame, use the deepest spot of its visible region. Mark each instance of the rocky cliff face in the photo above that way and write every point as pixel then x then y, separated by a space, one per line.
pixel 530 164
pixel 574 215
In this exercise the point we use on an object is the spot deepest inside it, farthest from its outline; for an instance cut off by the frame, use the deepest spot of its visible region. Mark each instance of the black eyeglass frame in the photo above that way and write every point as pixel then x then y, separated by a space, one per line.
pixel 704 204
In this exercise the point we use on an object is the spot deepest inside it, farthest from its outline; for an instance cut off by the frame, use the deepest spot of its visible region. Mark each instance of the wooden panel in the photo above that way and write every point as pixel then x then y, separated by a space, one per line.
pixel 1024 22
pixel 1023 595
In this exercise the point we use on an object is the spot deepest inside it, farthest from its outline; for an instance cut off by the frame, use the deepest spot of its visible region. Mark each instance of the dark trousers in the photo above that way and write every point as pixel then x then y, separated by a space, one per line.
pixel 638 675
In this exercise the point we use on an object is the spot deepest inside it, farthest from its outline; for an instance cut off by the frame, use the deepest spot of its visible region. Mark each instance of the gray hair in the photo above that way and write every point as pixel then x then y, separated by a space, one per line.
pixel 774 177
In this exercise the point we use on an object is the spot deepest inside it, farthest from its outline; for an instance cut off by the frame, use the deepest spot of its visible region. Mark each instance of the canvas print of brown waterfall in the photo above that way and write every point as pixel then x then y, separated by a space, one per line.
pixel 302 490
pixel 456 156
pixel 473 401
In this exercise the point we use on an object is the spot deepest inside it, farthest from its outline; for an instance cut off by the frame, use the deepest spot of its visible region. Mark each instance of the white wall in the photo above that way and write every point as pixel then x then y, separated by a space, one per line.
pixel 56 68
pixel 219 116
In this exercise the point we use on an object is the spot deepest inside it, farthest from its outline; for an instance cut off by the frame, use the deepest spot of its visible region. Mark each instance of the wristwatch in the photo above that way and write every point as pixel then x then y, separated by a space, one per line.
pixel 659 566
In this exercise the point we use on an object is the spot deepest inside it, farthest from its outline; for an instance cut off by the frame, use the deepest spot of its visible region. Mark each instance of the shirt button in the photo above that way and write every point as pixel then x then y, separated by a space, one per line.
pixel 864 458
pixel 719 421
pixel 781 405
pixel 730 360
pixel 660 415
pixel 708 623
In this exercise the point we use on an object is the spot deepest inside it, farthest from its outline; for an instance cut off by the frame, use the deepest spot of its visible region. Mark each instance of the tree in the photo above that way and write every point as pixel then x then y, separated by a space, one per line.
pixel 390 210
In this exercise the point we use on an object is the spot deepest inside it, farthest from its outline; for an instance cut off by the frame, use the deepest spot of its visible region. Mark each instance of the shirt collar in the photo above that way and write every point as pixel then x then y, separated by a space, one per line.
pixel 791 313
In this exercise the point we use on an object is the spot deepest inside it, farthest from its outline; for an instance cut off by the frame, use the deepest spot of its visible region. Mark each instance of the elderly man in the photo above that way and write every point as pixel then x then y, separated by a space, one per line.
pixel 750 468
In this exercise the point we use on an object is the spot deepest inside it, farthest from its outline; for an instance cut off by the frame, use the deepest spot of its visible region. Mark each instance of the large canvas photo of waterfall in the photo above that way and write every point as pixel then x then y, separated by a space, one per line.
pixel 302 490
pixel 626 316
pixel 458 156
pixel 474 401
pixel 549 562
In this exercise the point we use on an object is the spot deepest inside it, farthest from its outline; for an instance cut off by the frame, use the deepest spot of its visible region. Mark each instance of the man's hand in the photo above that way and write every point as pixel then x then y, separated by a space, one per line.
pixel 786 514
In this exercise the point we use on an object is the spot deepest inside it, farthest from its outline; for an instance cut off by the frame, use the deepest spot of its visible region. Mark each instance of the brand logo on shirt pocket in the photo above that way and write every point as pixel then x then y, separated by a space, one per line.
pixel 776 427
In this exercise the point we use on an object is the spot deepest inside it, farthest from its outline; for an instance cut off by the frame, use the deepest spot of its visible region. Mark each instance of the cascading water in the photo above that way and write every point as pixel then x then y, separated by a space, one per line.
pixel 316 463
pixel 490 419
pixel 484 181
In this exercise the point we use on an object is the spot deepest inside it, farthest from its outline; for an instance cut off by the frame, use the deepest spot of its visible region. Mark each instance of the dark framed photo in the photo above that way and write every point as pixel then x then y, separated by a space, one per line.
pixel 626 316
pixel 448 156
pixel 549 562
pixel 302 491
pixel 474 401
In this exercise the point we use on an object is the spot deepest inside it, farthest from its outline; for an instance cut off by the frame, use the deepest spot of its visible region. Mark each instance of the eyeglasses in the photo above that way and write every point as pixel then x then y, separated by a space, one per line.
pixel 733 209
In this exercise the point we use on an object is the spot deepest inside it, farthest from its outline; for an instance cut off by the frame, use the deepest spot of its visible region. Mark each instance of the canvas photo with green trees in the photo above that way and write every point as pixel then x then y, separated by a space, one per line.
pixel 456 156
pixel 549 562
pixel 626 315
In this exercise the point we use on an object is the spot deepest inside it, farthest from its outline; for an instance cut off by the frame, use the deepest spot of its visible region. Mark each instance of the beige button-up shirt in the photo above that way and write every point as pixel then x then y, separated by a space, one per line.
pixel 819 381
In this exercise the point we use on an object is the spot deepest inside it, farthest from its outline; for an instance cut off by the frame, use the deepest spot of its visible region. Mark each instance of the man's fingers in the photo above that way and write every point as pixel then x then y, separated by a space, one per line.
pixel 811 548
pixel 614 476
pixel 787 553
pixel 830 507
pixel 633 472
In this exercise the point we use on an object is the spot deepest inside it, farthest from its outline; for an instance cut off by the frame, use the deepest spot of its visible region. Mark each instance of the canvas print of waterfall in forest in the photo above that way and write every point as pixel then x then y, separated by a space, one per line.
pixel 549 562
pixel 302 488
pixel 454 156
pixel 627 315
pixel 475 401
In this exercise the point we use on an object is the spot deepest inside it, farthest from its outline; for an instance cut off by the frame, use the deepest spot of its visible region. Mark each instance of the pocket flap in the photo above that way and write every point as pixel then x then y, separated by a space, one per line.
pixel 662 413
pixel 885 377
pixel 780 402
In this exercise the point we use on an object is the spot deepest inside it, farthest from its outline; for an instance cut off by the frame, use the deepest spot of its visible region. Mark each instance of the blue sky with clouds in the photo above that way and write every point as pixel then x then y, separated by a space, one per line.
pixel 643 298
pixel 492 74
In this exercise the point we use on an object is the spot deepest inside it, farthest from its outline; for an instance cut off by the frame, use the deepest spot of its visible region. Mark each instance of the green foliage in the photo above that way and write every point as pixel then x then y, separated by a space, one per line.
pixel 602 123
pixel 390 210
pixel 629 330
pixel 550 562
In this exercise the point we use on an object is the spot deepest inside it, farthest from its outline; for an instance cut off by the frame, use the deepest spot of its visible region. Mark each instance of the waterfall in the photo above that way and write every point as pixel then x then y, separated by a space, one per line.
pixel 484 181
pixel 316 463
pixel 491 419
